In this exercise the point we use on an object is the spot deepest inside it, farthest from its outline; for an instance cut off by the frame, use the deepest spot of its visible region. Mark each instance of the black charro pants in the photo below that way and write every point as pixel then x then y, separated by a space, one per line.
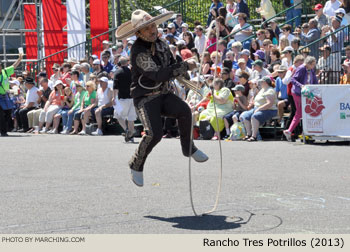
pixel 5 117
pixel 150 110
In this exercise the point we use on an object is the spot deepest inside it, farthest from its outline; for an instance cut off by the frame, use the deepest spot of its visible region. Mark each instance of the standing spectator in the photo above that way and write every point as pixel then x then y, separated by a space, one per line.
pixel 265 107
pixel 34 115
pixel 123 103
pixel 281 91
pixel 330 7
pixel 295 45
pixel 242 7
pixel 213 10
pixel 103 104
pixel 294 12
pixel 266 9
pixel 172 30
pixel 200 39
pixel 5 103
pixel 313 35
pixel 305 74
pixel 52 106
pixel 18 100
pixel 321 18
pixel 230 6
pixel 178 23
pixel 31 103
pixel 242 30
pixel 184 27
pixel 341 12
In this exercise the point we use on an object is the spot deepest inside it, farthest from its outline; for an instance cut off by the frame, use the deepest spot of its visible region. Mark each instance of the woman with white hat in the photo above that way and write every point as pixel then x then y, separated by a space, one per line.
pixel 52 106
pixel 153 67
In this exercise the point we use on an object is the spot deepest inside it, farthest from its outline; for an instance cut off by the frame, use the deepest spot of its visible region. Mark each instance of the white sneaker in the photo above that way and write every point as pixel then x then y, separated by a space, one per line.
pixel 199 156
pixel 43 131
pixel 82 133
pixel 137 177
pixel 63 132
pixel 53 131
pixel 288 135
pixel 98 132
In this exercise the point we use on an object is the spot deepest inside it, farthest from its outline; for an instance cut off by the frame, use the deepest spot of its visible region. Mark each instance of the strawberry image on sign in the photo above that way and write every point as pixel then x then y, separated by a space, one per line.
pixel 314 106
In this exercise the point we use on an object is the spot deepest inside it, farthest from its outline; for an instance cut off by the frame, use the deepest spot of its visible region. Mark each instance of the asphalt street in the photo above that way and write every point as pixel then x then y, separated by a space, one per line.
pixel 81 184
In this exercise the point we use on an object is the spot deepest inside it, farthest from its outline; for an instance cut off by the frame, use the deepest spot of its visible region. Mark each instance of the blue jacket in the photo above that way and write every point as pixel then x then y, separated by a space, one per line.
pixel 220 4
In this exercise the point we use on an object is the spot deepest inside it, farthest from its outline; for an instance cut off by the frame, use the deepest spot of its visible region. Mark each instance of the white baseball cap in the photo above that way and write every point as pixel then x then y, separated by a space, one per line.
pixel 105 42
pixel 103 79
pixel 96 62
pixel 340 10
pixel 57 83
pixel 16 82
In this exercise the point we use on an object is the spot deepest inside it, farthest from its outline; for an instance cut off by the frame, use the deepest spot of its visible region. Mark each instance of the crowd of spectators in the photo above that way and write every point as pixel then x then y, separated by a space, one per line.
pixel 248 79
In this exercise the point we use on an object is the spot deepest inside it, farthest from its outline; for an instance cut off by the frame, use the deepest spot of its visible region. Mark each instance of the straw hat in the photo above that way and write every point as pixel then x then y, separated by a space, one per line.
pixel 139 20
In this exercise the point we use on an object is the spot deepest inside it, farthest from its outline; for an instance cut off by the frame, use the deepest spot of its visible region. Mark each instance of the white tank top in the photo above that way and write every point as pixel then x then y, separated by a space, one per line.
pixel 102 97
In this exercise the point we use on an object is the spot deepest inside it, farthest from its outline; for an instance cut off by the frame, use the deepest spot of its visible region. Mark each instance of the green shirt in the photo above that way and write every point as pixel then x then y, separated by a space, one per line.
pixel 87 98
pixel 78 99
pixel 5 74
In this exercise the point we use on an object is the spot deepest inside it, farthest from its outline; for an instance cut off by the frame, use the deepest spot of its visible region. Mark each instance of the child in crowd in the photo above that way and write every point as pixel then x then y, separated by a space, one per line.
pixel 67 104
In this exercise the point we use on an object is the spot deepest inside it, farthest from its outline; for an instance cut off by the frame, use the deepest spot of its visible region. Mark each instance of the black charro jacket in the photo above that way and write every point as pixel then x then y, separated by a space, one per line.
pixel 150 71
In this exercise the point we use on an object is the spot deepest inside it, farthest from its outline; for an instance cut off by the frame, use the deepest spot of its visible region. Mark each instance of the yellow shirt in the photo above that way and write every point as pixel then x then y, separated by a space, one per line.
pixel 344 79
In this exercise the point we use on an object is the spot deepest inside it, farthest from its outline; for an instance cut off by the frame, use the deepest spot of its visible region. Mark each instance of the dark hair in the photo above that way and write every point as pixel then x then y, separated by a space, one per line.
pixel 222 12
pixel 67 65
pixel 272 34
pixel 276 52
pixel 245 75
pixel 187 33
pixel 196 23
pixel 227 63
pixel 222 42
pixel 103 74
pixel 46 80
pixel 195 51
pixel 106 52
pixel 220 82
pixel 252 51
pixel 75 72
pixel 287 27
pixel 220 20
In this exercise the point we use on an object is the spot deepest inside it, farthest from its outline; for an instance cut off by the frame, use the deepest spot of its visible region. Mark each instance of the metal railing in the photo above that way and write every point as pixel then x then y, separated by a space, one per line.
pixel 328 66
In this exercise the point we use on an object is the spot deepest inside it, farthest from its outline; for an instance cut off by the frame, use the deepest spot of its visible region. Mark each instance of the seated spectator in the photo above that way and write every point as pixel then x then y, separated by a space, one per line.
pixel 265 108
pixel 242 31
pixel 207 63
pixel 304 74
pixel 253 48
pixel 65 77
pixel 224 100
pixel 222 46
pixel 284 42
pixel 275 59
pixel 188 37
pixel 171 30
pixel 56 73
pixel 230 19
pixel 259 71
pixel 295 45
pixel 74 81
pixel 245 55
pixel 225 76
pixel 266 48
pixel 30 104
pixel 52 106
pixel 103 104
pixel 260 55
pixel 242 67
pixel 97 69
pixel 275 28
pixel 240 104
pixel 178 23
pixel 243 80
pixel 217 63
pixel 287 60
pixel 84 113
pixel 85 70
pixel 287 33
pixel 230 6
pixel 78 98
pixel 68 102
pixel 220 22
pixel 345 79
pixel 261 36
pixel 34 115
pixel 281 91
pixel 326 66
pixel 213 10
pixel 106 65
pixel 271 36
pixel 211 45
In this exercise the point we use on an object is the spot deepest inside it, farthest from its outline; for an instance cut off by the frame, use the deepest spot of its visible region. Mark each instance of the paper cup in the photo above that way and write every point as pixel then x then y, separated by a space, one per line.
pixel 20 50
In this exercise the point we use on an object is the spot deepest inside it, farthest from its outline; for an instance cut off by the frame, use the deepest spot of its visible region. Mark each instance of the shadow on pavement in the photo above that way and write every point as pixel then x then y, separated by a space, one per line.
pixel 206 222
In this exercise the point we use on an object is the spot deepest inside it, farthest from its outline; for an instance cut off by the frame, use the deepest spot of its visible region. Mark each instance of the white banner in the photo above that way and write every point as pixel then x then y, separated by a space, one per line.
pixel 76 28
pixel 326 110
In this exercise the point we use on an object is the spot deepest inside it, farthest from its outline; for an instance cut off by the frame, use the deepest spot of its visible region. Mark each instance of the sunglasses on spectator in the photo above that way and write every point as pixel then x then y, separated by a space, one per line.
pixel 55 69
pixel 265 44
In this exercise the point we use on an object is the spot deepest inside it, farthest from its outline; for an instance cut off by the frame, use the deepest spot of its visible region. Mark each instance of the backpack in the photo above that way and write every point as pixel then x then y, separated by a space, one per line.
pixel 237 131
pixel 206 130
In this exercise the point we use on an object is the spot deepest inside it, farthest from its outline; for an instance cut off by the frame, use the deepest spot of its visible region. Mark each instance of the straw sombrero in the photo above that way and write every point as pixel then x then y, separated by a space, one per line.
pixel 139 20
